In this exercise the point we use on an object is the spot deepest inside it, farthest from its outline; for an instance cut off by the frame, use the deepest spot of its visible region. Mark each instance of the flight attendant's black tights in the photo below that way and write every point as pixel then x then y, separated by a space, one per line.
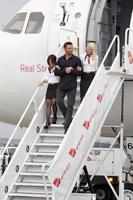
pixel 50 106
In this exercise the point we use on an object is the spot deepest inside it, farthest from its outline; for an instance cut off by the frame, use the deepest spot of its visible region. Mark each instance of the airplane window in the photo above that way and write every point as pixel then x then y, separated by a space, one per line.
pixel 16 25
pixel 35 23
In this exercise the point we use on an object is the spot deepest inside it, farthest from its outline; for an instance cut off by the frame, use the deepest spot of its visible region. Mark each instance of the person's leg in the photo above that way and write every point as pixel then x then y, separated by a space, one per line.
pixel 71 94
pixel 54 108
pixel 60 100
pixel 85 84
pixel 81 88
pixel 92 75
pixel 48 112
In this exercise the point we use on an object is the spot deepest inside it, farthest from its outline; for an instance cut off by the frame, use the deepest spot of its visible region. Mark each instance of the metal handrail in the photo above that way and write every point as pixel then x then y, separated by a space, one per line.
pixel 69 30
pixel 126 35
pixel 116 37
pixel 104 158
pixel 21 119
pixel 43 174
pixel 110 126
pixel 126 44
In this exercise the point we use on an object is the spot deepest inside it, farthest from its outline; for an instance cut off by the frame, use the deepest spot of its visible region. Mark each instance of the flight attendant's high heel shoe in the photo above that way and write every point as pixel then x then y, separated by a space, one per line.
pixel 47 125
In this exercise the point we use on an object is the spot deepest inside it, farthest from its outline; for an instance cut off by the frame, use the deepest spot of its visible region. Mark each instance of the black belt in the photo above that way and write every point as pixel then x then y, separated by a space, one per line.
pixel 53 83
pixel 87 73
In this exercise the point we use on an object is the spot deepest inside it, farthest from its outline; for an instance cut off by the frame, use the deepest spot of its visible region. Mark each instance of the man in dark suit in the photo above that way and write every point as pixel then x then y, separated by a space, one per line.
pixel 68 68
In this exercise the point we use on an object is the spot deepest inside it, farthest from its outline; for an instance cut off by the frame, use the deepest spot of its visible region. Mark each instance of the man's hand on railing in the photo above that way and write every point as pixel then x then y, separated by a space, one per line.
pixel 42 82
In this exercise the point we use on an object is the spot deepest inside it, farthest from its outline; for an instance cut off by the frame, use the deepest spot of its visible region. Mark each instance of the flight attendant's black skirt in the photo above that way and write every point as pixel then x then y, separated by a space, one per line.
pixel 86 80
pixel 51 91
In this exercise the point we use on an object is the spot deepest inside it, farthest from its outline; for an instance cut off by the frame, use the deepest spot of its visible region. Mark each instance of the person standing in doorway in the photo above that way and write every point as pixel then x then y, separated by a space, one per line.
pixel 69 67
pixel 90 66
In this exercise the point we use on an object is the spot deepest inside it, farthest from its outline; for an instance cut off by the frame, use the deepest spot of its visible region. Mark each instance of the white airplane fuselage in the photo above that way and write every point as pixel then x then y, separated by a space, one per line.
pixel 24 52
pixel 23 56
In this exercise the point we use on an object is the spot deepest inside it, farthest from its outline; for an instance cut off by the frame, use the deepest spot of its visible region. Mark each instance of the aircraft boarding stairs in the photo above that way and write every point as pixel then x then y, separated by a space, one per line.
pixel 28 174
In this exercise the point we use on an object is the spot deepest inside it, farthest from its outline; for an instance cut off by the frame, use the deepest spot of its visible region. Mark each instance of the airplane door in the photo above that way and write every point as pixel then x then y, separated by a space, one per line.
pixel 61 26
pixel 131 32
pixel 131 21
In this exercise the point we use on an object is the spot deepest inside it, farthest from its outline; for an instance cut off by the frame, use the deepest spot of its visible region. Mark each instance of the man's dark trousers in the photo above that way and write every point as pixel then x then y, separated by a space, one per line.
pixel 67 111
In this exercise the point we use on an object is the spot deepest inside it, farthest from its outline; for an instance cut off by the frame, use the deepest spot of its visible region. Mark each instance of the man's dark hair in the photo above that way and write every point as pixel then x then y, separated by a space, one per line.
pixel 51 58
pixel 67 43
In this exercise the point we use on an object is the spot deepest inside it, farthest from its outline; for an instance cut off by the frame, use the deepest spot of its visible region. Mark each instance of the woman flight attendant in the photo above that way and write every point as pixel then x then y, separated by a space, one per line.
pixel 90 66
pixel 52 81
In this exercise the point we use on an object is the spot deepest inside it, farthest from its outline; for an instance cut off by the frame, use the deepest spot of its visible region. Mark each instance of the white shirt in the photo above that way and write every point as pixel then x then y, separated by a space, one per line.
pixel 50 76
pixel 89 65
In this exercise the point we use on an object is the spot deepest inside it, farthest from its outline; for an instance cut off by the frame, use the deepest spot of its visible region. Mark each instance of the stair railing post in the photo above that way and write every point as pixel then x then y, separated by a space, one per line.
pixel 121 184
pixel 128 30
pixel 44 180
